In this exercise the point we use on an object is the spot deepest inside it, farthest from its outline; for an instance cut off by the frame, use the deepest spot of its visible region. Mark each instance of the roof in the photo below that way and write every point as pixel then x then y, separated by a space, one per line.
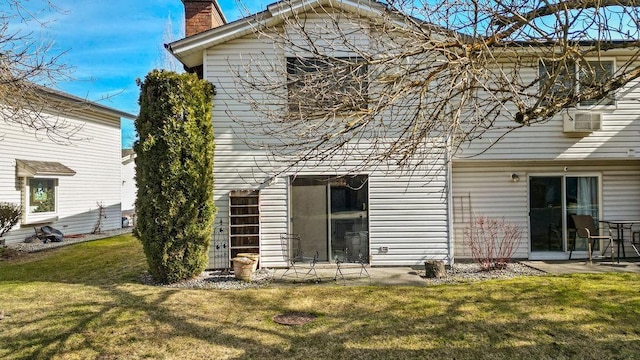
pixel 190 50
pixel 32 168
pixel 93 106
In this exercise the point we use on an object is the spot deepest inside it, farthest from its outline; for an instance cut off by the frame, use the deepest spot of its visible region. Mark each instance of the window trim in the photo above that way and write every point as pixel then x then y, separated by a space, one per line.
pixel 292 62
pixel 576 79
pixel 43 217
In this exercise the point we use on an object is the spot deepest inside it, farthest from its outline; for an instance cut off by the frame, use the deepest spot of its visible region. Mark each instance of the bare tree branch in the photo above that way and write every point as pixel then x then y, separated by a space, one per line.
pixel 26 65
pixel 419 81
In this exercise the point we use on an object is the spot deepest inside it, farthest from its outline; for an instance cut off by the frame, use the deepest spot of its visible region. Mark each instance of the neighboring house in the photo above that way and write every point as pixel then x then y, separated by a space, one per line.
pixel 395 218
pixel 59 183
pixel 129 188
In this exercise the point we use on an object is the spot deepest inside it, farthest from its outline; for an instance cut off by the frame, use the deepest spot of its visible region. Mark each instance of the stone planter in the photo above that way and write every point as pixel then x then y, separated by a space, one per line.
pixel 434 269
pixel 242 268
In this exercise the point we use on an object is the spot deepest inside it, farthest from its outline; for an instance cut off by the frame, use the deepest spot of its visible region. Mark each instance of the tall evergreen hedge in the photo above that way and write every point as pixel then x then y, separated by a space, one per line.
pixel 174 174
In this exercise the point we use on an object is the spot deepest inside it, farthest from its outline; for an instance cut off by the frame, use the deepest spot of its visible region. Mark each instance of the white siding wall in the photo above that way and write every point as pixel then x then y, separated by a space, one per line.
pixel 547 141
pixel 129 188
pixel 613 152
pixel 96 159
pixel 408 214
pixel 491 193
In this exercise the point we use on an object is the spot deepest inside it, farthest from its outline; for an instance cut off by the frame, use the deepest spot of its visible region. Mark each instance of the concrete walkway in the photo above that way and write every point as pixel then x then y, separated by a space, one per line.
pixel 582 266
pixel 352 276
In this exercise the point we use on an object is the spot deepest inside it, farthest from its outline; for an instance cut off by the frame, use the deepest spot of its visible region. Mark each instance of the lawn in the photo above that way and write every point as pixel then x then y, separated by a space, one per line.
pixel 86 302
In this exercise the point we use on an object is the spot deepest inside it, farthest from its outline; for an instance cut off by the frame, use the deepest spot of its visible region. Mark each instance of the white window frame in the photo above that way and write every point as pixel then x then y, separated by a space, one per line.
pixel 318 64
pixel 39 217
pixel 612 96
pixel 577 82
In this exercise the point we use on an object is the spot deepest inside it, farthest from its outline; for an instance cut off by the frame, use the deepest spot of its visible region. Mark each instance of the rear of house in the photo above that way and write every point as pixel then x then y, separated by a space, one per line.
pixel 389 217
pixel 583 161
pixel 71 184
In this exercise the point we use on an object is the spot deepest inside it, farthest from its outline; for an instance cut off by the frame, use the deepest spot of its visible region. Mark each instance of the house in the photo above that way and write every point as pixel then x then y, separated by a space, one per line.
pixel 392 217
pixel 129 189
pixel 67 183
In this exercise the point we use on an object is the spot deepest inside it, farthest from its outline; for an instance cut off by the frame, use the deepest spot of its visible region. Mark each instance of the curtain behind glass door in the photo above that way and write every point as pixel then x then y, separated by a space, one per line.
pixel 581 199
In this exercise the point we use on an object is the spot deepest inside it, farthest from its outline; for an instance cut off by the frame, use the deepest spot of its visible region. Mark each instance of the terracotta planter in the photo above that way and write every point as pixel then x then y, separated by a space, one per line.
pixel 254 257
pixel 242 268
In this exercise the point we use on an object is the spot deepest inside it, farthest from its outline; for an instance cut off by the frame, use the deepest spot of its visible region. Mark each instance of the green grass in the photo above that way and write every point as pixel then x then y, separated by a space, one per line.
pixel 86 302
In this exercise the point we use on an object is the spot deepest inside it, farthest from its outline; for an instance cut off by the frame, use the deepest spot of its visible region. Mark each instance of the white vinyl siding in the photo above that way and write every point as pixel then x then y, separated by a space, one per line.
pixel 94 155
pixel 491 192
pixel 407 213
pixel 616 140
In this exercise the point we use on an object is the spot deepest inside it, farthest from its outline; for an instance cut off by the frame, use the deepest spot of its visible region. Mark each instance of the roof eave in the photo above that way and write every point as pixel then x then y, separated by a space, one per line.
pixel 190 50
pixel 93 106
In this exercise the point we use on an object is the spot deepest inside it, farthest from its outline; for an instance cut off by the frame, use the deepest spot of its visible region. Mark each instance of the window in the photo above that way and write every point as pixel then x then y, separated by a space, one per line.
pixel 41 198
pixel 569 76
pixel 318 85
pixel 594 74
pixel 39 180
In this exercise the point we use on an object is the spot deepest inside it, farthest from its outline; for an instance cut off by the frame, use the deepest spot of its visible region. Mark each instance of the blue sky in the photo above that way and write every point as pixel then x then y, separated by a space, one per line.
pixel 109 44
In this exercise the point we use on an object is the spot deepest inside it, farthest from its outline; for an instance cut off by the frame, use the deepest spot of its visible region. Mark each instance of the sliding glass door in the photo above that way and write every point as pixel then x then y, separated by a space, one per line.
pixel 331 215
pixel 552 201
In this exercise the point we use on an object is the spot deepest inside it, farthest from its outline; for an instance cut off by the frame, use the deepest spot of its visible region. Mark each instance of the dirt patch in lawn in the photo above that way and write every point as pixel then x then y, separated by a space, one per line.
pixel 9 254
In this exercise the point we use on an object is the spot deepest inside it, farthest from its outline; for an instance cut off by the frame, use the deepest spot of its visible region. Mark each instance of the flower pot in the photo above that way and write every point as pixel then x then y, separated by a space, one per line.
pixel 242 268
pixel 254 257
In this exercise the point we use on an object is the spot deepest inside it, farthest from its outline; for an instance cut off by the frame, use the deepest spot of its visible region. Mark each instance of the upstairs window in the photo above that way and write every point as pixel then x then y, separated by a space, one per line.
pixel 594 74
pixel 570 77
pixel 320 85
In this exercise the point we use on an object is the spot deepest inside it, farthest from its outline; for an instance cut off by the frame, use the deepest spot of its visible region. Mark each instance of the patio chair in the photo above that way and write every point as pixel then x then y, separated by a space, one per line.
pixel 359 263
pixel 635 241
pixel 298 266
pixel 586 228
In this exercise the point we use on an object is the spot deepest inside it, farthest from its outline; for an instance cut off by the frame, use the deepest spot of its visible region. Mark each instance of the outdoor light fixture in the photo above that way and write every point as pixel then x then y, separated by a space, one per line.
pixel 515 178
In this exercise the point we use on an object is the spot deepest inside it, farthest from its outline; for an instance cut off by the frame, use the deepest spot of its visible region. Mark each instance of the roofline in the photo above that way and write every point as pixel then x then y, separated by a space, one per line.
pixel 188 49
pixel 90 104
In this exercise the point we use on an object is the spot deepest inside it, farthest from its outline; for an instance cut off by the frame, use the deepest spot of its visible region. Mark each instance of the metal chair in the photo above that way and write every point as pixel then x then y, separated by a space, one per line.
pixel 586 228
pixel 293 254
pixel 359 262
pixel 635 241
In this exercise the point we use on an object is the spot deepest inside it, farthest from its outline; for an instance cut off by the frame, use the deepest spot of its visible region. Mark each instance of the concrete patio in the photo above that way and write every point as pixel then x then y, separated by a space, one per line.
pixel 583 266
pixel 410 276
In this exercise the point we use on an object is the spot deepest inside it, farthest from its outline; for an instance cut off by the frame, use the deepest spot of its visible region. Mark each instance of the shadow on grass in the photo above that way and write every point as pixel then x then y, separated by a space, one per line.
pixel 86 316
pixel 473 321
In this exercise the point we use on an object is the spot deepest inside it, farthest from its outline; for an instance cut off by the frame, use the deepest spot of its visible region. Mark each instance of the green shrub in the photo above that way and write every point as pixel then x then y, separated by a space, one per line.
pixel 174 174
pixel 9 216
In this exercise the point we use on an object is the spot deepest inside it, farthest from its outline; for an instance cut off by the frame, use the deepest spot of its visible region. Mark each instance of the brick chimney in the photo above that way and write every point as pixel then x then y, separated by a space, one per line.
pixel 201 15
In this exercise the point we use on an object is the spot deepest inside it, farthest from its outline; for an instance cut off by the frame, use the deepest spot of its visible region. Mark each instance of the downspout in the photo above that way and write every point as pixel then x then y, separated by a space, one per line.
pixel 449 190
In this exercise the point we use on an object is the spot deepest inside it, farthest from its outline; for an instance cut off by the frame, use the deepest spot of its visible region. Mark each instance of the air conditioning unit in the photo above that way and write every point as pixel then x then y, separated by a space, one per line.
pixel 582 122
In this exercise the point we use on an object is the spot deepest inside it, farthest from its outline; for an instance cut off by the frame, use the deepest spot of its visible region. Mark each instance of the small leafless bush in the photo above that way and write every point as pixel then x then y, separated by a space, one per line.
pixel 492 241
pixel 9 216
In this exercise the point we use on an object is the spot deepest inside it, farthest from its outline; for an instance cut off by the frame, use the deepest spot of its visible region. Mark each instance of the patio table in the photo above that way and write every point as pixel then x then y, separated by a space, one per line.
pixel 620 226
